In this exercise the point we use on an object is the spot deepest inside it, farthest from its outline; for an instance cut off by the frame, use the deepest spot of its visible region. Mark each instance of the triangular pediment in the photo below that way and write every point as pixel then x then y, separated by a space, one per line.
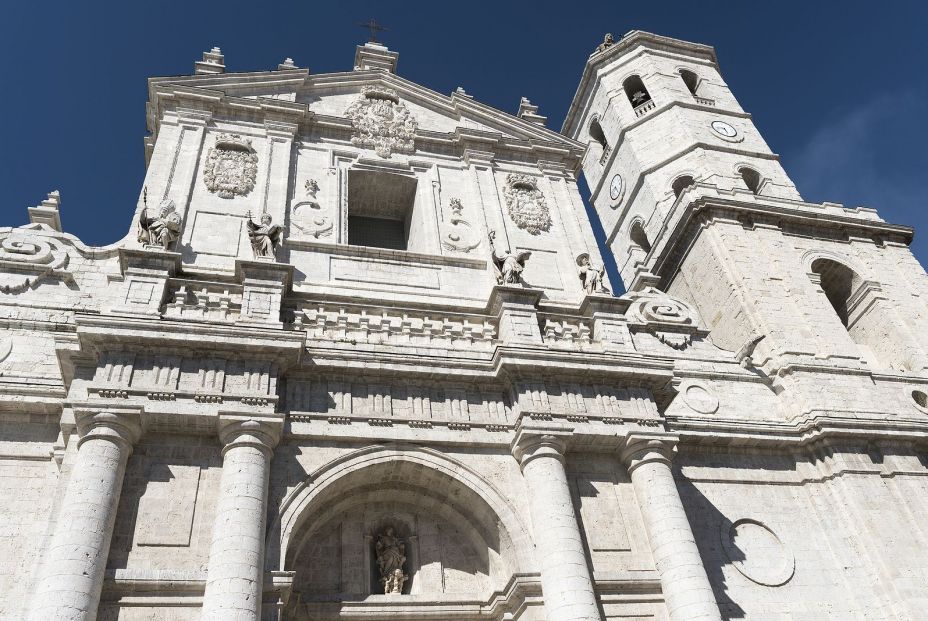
pixel 332 94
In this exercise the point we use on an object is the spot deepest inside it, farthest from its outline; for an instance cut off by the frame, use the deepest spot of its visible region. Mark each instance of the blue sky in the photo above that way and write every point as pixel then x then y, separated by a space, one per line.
pixel 839 89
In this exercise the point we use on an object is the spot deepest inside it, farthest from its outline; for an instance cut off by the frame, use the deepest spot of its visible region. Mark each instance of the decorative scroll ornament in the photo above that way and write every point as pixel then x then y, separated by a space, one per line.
pixel 461 236
pixel 526 204
pixel 231 166
pixel 381 122
pixel 27 258
pixel 670 320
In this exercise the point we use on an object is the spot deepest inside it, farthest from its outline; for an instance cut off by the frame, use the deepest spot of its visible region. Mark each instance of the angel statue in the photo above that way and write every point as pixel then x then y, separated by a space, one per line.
pixel 391 554
pixel 590 277
pixel 161 230
pixel 265 237
pixel 508 265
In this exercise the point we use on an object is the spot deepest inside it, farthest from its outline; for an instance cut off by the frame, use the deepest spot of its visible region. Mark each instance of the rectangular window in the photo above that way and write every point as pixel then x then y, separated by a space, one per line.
pixel 380 208
pixel 376 232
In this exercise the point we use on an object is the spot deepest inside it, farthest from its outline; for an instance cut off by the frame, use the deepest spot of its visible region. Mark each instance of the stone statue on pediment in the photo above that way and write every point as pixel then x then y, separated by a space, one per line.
pixel 608 42
pixel 590 276
pixel 265 237
pixel 162 229
pixel 509 265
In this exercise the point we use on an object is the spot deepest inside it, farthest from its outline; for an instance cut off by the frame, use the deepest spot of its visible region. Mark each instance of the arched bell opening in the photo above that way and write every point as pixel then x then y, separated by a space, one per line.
pixel 443 535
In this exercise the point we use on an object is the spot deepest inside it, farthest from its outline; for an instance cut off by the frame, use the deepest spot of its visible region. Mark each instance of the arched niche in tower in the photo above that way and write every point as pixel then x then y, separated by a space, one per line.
pixel 691 80
pixel 461 538
pixel 638 236
pixel 597 134
pixel 680 184
pixel 636 91
pixel 751 178
pixel 861 307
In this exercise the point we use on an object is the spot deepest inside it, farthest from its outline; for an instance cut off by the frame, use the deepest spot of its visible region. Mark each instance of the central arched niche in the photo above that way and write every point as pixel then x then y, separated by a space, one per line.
pixel 457 545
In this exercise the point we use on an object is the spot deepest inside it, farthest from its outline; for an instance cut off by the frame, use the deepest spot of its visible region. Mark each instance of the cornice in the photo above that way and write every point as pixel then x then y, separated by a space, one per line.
pixel 674 240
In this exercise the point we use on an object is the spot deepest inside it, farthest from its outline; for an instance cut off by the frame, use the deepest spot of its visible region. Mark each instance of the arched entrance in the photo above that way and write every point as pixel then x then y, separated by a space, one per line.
pixel 458 538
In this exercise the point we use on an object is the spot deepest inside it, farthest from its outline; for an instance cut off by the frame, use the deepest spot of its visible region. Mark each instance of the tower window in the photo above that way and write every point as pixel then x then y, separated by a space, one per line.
pixel 681 183
pixel 838 283
pixel 639 237
pixel 597 134
pixel 379 209
pixel 690 79
pixel 751 179
pixel 636 92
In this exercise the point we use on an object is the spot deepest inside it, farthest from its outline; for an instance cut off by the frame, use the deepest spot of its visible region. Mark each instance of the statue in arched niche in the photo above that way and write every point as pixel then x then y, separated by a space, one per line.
pixel 391 556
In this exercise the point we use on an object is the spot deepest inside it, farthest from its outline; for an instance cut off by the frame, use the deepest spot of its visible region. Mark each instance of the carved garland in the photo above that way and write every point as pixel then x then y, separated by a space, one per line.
pixel 526 204
pixel 231 166
pixel 381 122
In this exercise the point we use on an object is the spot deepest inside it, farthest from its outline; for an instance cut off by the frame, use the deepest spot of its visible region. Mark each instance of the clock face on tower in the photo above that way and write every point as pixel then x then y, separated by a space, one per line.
pixel 724 129
pixel 615 187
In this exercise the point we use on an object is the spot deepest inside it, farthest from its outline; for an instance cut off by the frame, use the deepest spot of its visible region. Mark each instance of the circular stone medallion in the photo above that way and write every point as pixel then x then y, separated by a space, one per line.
pixel 700 398
pixel 757 553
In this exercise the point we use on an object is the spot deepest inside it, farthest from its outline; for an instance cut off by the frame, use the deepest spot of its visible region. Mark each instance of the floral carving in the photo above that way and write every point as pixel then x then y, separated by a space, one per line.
pixel 381 122
pixel 461 236
pixel 26 258
pixel 231 166
pixel 526 204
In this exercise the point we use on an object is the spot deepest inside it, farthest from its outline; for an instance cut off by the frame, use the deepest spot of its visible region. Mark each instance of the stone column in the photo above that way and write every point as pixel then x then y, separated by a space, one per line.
pixel 235 579
pixel 71 579
pixel 565 575
pixel 687 592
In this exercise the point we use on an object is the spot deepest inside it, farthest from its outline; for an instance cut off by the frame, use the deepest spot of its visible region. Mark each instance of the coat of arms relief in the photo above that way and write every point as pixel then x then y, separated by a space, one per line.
pixel 526 204
pixel 231 166
pixel 381 122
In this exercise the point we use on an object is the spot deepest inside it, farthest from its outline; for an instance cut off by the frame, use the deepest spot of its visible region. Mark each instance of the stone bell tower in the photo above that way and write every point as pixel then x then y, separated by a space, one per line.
pixel 693 200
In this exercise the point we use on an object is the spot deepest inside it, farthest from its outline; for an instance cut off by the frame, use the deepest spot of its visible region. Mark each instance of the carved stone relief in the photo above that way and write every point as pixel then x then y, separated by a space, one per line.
pixel 27 258
pixel 381 122
pixel 460 235
pixel 526 204
pixel 308 218
pixel 231 166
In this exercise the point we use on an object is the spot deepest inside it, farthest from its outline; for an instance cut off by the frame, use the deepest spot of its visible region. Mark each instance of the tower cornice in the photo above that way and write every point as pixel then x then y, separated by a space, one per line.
pixel 631 41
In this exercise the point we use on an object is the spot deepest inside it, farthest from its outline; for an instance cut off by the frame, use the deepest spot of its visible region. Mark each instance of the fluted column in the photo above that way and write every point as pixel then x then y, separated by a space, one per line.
pixel 687 592
pixel 565 574
pixel 71 578
pixel 234 582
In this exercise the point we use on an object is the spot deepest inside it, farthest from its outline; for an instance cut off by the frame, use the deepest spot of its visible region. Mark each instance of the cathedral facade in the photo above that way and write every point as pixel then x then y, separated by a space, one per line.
pixel 357 357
